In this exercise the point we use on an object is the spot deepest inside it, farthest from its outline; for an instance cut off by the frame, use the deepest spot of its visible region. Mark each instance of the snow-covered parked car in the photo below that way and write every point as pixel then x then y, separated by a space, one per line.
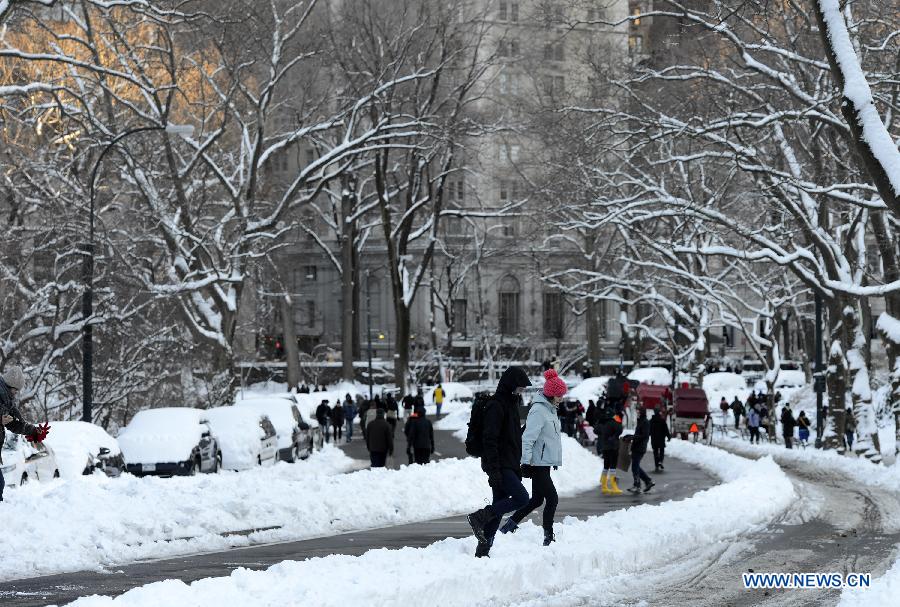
pixel 24 461
pixel 246 437
pixel 81 448
pixel 295 439
pixel 169 441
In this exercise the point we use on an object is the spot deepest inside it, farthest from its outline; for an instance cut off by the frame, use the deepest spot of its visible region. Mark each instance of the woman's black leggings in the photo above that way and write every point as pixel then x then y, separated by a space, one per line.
pixel 542 488
pixel 610 458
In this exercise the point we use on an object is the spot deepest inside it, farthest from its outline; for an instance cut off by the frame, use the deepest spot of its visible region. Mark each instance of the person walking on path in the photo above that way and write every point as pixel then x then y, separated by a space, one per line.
pixel 753 424
pixel 609 445
pixel 738 409
pixel 408 401
pixel 803 425
pixel 638 449
pixel 787 426
pixel 541 450
pixel 501 457
pixel 392 412
pixel 362 410
pixel 11 382
pixel 349 415
pixel 379 440
pixel 849 427
pixel 323 416
pixel 659 434
pixel 438 398
pixel 337 421
pixel 419 436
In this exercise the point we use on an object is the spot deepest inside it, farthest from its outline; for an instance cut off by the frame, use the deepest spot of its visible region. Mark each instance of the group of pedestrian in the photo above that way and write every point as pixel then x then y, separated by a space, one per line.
pixel 509 453
pixel 378 421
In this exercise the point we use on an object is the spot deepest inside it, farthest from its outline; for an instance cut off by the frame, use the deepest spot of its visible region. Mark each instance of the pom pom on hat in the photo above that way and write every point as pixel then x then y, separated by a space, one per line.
pixel 554 386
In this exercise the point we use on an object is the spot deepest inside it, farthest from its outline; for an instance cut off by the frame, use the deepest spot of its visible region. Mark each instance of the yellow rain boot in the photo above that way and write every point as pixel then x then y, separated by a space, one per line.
pixel 613 486
pixel 603 482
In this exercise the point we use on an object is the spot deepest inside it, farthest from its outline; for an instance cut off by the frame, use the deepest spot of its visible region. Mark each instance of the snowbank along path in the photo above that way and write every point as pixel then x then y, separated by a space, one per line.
pixel 621 542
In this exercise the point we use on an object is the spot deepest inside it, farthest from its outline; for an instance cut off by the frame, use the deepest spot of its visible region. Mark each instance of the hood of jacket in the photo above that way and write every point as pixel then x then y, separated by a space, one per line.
pixel 512 379
pixel 540 399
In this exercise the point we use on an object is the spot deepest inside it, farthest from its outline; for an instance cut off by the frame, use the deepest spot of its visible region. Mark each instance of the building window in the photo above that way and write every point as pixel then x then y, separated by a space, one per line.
pixel 508 84
pixel 459 309
pixel 455 189
pixel 554 85
pixel 508 48
pixel 508 191
pixel 508 11
pixel 636 44
pixel 310 273
pixel 310 313
pixel 556 12
pixel 509 306
pixel 636 13
pixel 454 225
pixel 280 162
pixel 510 227
pixel 553 315
pixel 511 152
pixel 554 51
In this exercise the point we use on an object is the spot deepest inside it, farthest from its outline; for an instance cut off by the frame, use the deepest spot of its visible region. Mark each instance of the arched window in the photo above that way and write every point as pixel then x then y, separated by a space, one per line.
pixel 509 306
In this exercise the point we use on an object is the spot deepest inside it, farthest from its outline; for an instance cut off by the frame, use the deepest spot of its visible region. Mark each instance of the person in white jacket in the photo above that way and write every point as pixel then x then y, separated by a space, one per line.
pixel 541 450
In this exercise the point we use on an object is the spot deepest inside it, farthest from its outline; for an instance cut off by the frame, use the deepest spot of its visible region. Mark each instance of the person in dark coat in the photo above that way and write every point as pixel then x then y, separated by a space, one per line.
pixel 788 423
pixel 349 415
pixel 419 436
pixel 591 413
pixel 392 413
pixel 738 410
pixel 362 409
pixel 638 449
pixel 659 434
pixel 337 420
pixel 608 444
pixel 11 419
pixel 409 402
pixel 323 416
pixel 379 440
pixel 568 412
pixel 501 456
pixel 803 424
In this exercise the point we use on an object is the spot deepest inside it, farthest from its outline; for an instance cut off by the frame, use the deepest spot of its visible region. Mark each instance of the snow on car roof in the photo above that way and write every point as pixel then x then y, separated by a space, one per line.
pixel 167 434
pixel 280 413
pixel 239 434
pixel 76 442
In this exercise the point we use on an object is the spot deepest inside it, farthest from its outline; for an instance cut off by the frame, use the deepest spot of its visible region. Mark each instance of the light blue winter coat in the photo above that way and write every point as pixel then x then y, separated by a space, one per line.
pixel 541 442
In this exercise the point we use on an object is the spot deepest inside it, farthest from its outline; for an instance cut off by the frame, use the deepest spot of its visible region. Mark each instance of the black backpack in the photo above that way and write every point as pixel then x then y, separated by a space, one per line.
pixel 615 388
pixel 474 436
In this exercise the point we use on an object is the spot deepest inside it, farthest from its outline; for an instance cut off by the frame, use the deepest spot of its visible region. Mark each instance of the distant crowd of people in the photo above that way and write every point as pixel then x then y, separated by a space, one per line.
pixel 378 418
pixel 755 416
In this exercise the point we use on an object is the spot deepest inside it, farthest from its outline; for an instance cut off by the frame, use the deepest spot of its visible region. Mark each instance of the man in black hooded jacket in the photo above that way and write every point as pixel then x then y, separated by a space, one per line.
pixel 501 456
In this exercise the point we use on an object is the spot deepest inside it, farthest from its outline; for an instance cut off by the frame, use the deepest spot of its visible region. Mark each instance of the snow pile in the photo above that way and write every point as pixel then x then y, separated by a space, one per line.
pixel 658 376
pixel 519 568
pixel 239 435
pixel 883 591
pixel 168 434
pixel 589 389
pixel 456 396
pixel 76 443
pixel 724 384
pixel 95 522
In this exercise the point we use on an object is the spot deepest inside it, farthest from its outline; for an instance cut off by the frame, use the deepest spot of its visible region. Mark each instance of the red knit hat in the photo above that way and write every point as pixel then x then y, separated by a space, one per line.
pixel 554 386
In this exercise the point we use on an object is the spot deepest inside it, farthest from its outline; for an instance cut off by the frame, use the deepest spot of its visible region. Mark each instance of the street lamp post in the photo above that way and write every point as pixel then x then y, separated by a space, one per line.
pixel 87 299
pixel 369 329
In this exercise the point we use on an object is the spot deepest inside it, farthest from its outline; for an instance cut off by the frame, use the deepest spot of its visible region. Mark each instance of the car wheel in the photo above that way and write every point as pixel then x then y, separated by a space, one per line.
pixel 218 462
pixel 259 460
pixel 195 467
pixel 56 474
pixel 23 480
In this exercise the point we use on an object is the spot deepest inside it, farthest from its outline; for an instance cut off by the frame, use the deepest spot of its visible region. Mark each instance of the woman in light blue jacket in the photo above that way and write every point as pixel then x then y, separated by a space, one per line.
pixel 541 449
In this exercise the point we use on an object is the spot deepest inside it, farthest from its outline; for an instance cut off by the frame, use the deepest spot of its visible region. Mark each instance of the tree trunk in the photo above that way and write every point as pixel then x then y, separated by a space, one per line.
pixel 866 443
pixel 835 380
pixel 593 338
pixel 889 322
pixel 289 335
pixel 401 347
pixel 347 288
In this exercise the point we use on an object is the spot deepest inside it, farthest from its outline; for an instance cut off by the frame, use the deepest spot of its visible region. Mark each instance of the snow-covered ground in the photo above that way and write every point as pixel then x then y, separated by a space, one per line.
pixel 572 570
pixel 93 521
